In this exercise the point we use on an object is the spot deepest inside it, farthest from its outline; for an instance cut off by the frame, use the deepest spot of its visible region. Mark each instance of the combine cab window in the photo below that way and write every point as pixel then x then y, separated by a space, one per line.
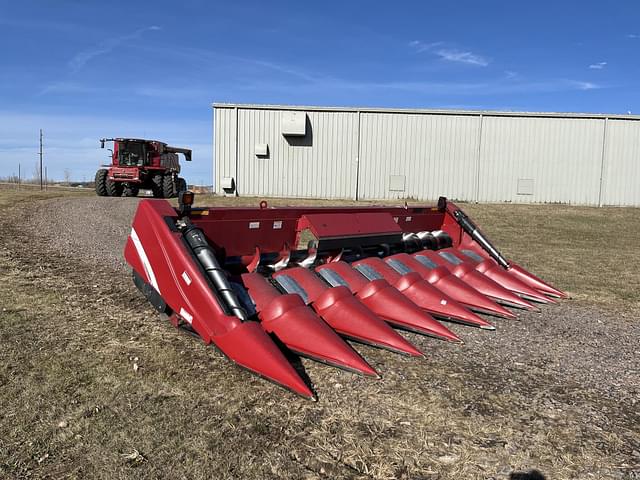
pixel 473 255
pixel 131 154
pixel 450 257
pixel 332 278
pixel 398 266
pixel 426 261
pixel 289 285
pixel 368 272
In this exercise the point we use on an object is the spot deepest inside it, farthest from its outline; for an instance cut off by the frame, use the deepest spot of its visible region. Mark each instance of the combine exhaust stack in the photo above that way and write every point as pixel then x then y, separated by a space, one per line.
pixel 231 276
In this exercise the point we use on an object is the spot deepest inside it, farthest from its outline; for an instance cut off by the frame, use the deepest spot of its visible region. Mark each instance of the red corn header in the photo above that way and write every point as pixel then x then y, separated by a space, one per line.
pixel 259 283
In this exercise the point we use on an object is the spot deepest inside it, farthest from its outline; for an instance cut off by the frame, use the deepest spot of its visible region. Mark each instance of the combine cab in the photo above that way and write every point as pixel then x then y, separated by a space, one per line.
pixel 137 164
pixel 261 283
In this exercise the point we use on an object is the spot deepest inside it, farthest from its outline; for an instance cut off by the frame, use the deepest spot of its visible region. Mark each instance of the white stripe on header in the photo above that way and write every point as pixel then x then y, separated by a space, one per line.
pixel 144 259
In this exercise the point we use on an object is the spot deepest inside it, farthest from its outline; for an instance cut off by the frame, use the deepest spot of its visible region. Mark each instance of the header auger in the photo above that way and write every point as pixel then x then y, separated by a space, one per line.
pixel 257 282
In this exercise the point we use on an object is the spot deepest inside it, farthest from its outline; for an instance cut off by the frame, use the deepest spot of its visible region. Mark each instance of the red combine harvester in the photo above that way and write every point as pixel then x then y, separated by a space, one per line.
pixel 261 282
pixel 136 164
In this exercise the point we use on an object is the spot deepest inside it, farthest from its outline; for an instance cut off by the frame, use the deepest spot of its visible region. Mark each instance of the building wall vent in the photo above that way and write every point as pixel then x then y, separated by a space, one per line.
pixel 525 186
pixel 396 183
pixel 294 124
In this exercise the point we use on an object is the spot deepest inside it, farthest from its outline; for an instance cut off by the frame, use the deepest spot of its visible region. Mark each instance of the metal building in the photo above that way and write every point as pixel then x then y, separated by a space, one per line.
pixel 374 154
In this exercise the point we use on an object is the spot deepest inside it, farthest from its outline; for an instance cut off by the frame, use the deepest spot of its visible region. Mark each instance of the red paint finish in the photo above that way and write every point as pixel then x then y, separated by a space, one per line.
pixel 467 273
pixel 441 278
pixel 424 294
pixel 295 325
pixel 237 231
pixel 386 301
pixel 463 240
pixel 149 164
pixel 346 314
pixel 535 282
pixel 354 305
pixel 490 268
pixel 166 263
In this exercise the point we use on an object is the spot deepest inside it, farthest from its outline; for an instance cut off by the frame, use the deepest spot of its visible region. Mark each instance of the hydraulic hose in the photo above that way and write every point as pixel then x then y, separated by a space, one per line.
pixel 471 228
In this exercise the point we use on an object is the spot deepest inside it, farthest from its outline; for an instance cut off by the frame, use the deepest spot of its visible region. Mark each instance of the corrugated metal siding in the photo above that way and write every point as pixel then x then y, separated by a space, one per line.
pixel 561 155
pixel 321 164
pixel 435 153
pixel 224 141
pixel 621 173
pixel 483 156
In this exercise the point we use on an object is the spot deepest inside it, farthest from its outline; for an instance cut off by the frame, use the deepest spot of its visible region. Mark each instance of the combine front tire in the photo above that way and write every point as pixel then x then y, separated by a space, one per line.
pixel 114 188
pixel 181 185
pixel 130 190
pixel 168 186
pixel 101 182
pixel 156 186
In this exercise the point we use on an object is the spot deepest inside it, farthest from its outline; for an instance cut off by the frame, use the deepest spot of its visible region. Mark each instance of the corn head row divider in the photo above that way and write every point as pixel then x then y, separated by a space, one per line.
pixel 258 282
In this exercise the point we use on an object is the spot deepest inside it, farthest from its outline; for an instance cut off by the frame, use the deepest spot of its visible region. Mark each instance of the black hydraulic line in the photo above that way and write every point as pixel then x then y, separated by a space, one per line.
pixel 204 253
pixel 471 228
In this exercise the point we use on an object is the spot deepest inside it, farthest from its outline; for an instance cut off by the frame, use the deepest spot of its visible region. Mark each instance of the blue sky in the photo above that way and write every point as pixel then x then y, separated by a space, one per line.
pixel 84 69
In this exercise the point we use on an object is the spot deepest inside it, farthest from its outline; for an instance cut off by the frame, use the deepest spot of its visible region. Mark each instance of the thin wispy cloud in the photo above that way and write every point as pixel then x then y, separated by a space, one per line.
pixel 106 46
pixel 598 66
pixel 214 59
pixel 633 35
pixel 579 85
pixel 424 47
pixel 71 88
pixel 177 93
pixel 499 86
pixel 450 54
pixel 460 56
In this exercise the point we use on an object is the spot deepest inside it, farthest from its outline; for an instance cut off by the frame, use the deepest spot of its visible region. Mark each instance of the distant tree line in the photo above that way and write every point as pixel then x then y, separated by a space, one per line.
pixel 35 178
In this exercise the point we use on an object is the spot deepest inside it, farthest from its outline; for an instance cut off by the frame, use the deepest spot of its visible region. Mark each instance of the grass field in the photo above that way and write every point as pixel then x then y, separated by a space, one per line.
pixel 94 386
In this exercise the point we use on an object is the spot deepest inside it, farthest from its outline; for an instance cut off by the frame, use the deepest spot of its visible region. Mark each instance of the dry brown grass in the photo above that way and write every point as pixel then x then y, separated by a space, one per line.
pixel 74 406
pixel 592 252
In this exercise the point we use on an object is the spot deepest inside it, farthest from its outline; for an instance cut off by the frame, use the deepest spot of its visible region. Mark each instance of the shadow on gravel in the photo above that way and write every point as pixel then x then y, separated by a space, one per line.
pixel 530 475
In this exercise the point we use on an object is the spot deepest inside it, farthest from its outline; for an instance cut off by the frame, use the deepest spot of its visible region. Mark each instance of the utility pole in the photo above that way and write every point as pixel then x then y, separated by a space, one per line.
pixel 40 159
pixel 19 175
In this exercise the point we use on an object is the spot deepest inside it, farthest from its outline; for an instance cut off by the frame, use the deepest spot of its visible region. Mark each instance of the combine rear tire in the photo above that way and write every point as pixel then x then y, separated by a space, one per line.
pixel 156 186
pixel 101 182
pixel 130 190
pixel 114 188
pixel 181 185
pixel 168 186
